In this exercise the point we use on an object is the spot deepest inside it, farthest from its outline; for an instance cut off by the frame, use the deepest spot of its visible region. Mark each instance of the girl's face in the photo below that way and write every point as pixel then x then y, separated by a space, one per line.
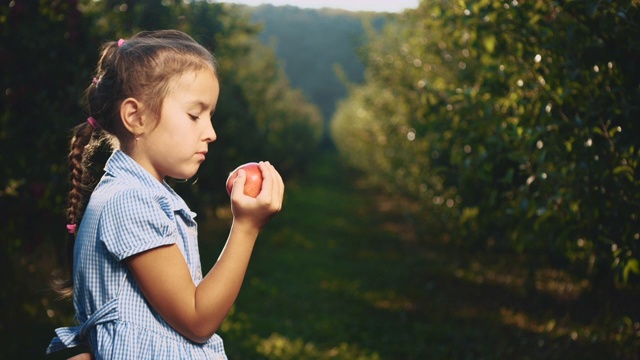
pixel 177 144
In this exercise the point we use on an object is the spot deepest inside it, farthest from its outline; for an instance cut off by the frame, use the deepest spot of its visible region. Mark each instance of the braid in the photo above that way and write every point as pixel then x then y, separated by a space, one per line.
pixel 81 138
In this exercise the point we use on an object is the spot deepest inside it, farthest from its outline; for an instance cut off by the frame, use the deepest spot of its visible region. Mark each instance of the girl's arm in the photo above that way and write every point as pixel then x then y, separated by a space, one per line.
pixel 162 273
pixel 83 356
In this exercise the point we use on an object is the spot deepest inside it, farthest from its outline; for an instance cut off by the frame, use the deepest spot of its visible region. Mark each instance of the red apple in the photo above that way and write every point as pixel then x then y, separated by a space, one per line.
pixel 253 185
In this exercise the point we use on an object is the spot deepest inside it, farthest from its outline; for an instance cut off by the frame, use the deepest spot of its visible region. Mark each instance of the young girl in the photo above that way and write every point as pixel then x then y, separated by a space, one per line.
pixel 138 289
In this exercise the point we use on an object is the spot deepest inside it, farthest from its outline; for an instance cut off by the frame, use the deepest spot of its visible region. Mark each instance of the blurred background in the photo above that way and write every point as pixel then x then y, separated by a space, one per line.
pixel 462 176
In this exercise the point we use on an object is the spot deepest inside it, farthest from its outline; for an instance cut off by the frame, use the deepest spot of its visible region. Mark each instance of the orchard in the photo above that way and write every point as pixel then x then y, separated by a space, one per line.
pixel 512 126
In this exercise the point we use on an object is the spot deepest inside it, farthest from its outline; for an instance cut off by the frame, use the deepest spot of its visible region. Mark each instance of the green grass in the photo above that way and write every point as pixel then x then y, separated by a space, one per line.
pixel 335 275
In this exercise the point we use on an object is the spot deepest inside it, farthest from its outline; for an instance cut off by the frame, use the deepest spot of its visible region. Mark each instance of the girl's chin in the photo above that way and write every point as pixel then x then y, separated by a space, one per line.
pixel 185 172
pixel 183 176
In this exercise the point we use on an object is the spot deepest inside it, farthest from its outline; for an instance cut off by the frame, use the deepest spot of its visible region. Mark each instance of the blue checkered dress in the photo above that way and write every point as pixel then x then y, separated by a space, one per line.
pixel 129 212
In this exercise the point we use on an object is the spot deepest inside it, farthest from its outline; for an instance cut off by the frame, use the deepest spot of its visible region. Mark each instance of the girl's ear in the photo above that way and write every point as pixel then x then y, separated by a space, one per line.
pixel 131 115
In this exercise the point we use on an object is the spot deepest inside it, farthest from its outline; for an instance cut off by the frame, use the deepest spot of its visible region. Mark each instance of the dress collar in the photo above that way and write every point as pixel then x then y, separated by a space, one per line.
pixel 121 165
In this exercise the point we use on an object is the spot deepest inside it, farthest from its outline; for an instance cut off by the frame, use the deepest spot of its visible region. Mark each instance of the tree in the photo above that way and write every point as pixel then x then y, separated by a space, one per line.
pixel 520 117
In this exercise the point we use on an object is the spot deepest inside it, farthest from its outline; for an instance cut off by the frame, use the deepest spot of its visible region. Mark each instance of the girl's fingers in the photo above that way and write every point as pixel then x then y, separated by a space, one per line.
pixel 267 182
pixel 272 184
pixel 278 190
pixel 277 186
pixel 238 183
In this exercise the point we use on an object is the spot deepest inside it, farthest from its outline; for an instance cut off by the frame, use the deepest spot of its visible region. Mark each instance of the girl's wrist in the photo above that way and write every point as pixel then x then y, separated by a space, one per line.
pixel 245 228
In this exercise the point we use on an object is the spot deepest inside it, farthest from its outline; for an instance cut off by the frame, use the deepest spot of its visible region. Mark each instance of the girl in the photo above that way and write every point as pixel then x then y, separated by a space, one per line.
pixel 138 287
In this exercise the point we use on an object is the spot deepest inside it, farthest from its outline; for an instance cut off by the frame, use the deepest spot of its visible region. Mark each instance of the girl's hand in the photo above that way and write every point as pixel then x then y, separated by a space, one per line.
pixel 256 212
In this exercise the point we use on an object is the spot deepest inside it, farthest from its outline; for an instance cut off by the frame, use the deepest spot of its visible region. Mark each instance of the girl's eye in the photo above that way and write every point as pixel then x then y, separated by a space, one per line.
pixel 193 117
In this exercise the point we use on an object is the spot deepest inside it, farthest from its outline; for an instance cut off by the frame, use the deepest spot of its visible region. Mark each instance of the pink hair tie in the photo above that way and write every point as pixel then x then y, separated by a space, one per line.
pixel 95 81
pixel 121 42
pixel 71 228
pixel 92 121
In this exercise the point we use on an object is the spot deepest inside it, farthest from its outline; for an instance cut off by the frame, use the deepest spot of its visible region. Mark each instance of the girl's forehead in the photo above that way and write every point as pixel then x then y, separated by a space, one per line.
pixel 194 77
pixel 195 86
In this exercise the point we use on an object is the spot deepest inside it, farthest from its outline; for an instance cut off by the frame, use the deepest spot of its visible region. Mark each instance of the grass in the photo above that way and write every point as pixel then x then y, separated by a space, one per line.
pixel 338 274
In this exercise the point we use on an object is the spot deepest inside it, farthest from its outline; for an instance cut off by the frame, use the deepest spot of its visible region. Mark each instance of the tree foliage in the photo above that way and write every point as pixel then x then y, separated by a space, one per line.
pixel 511 123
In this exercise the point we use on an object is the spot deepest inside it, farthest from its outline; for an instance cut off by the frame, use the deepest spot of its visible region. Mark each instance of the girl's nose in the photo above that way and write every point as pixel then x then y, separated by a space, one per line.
pixel 209 133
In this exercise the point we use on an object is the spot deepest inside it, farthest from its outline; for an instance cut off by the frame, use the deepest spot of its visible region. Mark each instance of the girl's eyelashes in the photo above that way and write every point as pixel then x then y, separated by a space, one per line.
pixel 194 117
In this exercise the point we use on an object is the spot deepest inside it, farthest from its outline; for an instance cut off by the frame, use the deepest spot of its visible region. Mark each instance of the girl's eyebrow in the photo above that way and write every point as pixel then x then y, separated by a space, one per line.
pixel 198 103
pixel 201 104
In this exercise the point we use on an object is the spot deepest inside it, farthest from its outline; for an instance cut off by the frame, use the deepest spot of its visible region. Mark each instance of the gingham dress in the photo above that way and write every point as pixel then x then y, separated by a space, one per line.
pixel 129 212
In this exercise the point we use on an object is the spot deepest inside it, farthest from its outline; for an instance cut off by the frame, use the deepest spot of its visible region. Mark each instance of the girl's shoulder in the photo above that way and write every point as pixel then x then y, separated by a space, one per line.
pixel 136 199
pixel 131 220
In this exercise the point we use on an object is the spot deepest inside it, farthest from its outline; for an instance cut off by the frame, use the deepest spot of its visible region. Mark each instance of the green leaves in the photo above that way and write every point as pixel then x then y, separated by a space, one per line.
pixel 533 132
pixel 489 43
pixel 625 171
pixel 632 266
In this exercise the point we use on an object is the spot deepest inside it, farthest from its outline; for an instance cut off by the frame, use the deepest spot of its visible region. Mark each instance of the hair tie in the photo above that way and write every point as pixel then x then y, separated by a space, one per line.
pixel 71 228
pixel 95 81
pixel 92 121
pixel 121 42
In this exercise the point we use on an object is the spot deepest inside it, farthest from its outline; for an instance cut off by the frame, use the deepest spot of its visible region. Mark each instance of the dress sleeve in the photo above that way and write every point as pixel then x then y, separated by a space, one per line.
pixel 136 220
